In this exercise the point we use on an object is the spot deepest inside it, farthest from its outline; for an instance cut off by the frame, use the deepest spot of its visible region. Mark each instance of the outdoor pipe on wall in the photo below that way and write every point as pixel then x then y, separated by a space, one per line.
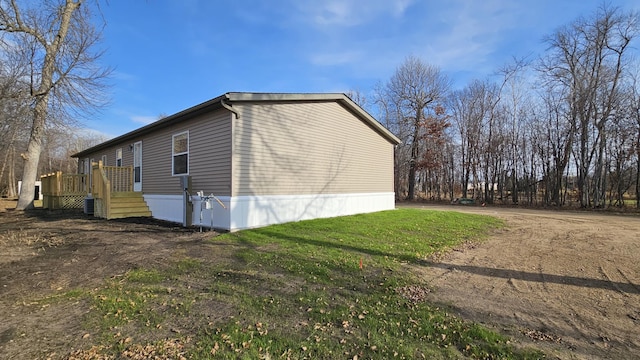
pixel 228 107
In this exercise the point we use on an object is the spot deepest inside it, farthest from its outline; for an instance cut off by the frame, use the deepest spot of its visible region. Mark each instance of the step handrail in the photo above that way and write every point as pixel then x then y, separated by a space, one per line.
pixel 101 189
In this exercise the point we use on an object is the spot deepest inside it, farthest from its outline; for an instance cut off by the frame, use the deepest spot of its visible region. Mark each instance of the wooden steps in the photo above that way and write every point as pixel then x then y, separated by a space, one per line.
pixel 128 204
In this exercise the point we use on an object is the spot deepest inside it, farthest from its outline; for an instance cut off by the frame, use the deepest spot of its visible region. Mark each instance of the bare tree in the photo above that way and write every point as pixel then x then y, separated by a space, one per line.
pixel 14 110
pixel 433 160
pixel 515 106
pixel 388 116
pixel 358 97
pixel 553 141
pixel 633 111
pixel 587 59
pixel 459 104
pixel 56 40
pixel 475 116
pixel 415 89
pixel 620 152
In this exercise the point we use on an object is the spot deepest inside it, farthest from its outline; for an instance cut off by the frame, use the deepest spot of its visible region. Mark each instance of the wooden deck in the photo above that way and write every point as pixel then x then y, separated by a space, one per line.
pixel 110 187
pixel 62 191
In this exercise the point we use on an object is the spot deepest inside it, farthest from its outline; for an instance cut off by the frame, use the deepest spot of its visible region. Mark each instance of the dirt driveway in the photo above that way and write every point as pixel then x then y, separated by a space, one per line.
pixel 568 280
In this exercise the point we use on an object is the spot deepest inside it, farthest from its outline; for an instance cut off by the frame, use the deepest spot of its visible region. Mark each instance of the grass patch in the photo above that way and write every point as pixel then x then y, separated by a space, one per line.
pixel 316 248
pixel 73 294
pixel 327 288
pixel 120 305
pixel 145 276
pixel 186 265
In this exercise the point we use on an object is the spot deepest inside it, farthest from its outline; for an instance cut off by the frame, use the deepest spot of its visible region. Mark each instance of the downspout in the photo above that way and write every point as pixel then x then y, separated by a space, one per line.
pixel 228 107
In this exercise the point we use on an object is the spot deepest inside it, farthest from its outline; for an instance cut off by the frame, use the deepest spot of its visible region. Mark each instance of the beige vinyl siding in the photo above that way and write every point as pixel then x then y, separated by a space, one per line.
pixel 127 155
pixel 307 148
pixel 209 156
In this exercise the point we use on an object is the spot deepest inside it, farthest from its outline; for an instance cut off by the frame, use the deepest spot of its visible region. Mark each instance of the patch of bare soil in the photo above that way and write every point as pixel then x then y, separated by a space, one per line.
pixel 567 281
pixel 44 253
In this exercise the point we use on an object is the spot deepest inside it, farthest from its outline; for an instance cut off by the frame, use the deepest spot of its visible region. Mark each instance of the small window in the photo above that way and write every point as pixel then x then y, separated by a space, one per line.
pixel 119 157
pixel 104 160
pixel 181 154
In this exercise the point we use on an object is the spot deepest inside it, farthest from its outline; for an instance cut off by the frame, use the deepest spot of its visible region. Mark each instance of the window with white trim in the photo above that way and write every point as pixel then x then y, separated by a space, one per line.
pixel 104 160
pixel 119 157
pixel 180 154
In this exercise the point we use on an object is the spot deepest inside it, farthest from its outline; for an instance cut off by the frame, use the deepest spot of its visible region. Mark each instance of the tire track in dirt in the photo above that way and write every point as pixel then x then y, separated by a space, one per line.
pixel 567 281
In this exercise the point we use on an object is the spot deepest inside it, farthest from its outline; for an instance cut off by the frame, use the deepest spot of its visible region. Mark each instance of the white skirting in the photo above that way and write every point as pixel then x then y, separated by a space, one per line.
pixel 244 212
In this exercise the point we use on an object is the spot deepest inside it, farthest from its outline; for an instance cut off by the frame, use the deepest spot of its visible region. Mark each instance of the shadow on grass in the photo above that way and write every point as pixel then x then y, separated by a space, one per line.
pixel 351 248
pixel 628 288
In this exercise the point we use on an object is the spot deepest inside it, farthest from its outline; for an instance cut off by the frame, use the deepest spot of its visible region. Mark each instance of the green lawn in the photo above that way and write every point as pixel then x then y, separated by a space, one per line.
pixel 321 289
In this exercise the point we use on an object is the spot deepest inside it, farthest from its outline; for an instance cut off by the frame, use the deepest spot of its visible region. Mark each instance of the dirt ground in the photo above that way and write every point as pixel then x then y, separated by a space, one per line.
pixel 44 253
pixel 567 281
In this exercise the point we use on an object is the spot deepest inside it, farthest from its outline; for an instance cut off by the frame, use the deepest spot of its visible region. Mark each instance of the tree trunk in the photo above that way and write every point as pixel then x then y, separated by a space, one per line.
pixel 597 195
pixel 514 187
pixel 638 175
pixel 411 180
pixel 465 174
pixel 11 193
pixel 6 162
pixel 32 156
pixel 415 152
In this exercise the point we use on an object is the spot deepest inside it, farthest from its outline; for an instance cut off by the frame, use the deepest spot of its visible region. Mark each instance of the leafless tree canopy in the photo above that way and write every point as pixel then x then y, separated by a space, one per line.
pixel 411 99
pixel 560 130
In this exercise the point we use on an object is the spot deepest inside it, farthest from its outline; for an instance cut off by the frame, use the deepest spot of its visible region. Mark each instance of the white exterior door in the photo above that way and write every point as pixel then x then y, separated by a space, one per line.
pixel 137 166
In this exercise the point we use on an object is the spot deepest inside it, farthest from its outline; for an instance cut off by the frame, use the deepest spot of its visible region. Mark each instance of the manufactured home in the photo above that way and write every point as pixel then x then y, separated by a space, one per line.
pixel 265 158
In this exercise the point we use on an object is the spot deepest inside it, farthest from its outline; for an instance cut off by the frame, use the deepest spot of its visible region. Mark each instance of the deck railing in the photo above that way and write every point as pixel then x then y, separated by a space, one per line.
pixel 67 191
pixel 121 178
pixel 64 191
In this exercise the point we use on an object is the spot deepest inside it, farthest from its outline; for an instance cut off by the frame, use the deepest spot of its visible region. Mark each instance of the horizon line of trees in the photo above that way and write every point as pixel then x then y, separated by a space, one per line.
pixel 561 130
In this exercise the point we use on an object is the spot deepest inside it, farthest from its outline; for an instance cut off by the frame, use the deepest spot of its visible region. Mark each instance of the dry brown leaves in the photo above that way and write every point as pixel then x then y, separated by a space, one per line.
pixel 22 237
pixel 538 335
pixel 414 293
pixel 162 350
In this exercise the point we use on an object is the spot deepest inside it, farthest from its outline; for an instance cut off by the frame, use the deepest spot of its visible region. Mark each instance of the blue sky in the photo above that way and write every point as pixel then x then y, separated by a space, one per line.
pixel 169 55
